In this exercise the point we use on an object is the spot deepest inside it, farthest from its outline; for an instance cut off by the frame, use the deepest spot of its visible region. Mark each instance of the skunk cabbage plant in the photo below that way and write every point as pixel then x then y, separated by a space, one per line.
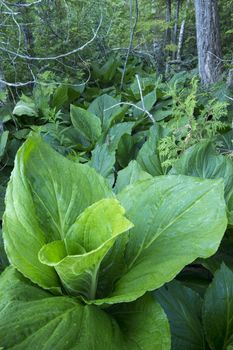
pixel 83 259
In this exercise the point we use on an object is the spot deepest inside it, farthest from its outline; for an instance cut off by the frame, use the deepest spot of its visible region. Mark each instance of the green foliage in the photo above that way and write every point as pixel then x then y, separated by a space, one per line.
pixel 186 326
pixel 118 213
pixel 65 235
pixel 200 323
pixel 48 321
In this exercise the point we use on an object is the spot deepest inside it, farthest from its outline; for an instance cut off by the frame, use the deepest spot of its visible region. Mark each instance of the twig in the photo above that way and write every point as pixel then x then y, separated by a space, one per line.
pixel 142 99
pixel 140 90
pixel 26 57
pixel 230 98
pixel 24 5
pixel 18 28
pixel 30 82
pixel 132 105
pixel 219 58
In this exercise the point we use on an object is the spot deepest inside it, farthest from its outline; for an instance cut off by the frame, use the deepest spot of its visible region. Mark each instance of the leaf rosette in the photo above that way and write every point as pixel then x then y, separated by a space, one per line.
pixel 67 232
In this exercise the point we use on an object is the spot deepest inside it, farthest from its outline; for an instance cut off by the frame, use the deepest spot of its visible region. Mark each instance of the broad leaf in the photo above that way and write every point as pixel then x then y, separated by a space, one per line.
pixel 107 71
pixel 3 258
pixel 60 97
pixel 135 318
pixel 202 160
pixel 66 94
pixel 2 200
pixel 183 307
pixel 116 132
pixel 25 108
pixel 127 149
pixel 86 123
pixel 77 259
pixel 40 320
pixel 107 109
pixel 3 142
pixel 162 114
pixel 218 310
pixel 161 245
pixel 163 109
pixel 147 84
pixel 223 254
pixel 225 141
pixel 103 160
pixel 148 156
pixel 131 174
pixel 45 196
pixel 149 101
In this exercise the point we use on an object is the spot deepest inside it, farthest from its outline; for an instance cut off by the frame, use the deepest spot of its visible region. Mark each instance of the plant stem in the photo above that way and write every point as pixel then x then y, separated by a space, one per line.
pixel 94 282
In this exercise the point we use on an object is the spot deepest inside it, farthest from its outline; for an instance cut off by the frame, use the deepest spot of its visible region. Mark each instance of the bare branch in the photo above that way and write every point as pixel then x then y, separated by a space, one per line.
pixel 140 90
pixel 24 5
pixel 18 28
pixel 30 58
pixel 218 58
pixel 37 82
pixel 132 105
pixel 230 98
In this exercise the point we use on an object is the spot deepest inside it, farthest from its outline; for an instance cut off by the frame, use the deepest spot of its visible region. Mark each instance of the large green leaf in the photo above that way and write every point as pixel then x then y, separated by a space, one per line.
pixel 3 257
pixel 202 160
pixel 60 97
pixel 183 307
pixel 2 200
pixel 3 142
pixel 218 310
pixel 77 259
pixel 148 156
pixel 162 114
pixel 31 318
pixel 149 101
pixel 25 108
pixel 107 71
pixel 102 160
pixel 66 94
pixel 129 175
pixel 223 254
pixel 225 142
pixel 176 219
pixel 147 84
pixel 46 194
pixel 116 132
pixel 86 123
pixel 127 149
pixel 134 317
pixel 107 109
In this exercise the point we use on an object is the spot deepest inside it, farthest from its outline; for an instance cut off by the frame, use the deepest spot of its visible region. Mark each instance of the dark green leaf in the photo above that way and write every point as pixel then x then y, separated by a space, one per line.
pixel 183 307
pixel 148 156
pixel 39 320
pixel 86 123
pixel 103 160
pixel 132 173
pixel 218 310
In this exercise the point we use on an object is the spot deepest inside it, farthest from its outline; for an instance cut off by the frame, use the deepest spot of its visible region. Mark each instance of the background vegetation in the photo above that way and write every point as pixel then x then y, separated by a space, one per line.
pixel 142 92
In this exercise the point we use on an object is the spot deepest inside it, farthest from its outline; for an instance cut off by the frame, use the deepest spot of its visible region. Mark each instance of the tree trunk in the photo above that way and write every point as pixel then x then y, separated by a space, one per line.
pixel 27 31
pixel 176 25
pixel 168 20
pixel 2 84
pixel 181 35
pixel 208 41
pixel 230 79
